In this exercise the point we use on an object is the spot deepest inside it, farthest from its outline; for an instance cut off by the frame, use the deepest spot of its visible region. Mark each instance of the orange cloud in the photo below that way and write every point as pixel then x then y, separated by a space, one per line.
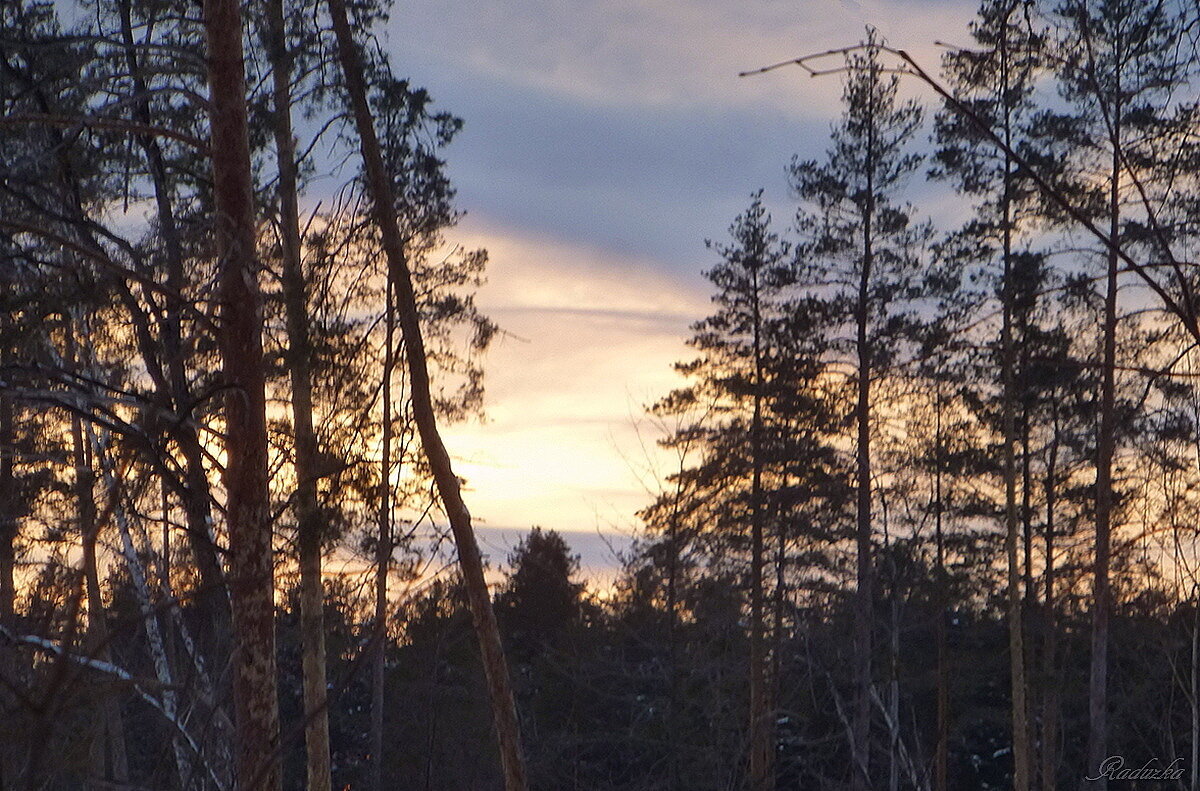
pixel 592 338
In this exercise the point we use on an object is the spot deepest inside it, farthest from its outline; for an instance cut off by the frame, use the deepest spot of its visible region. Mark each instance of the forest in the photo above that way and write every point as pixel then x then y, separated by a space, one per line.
pixel 928 515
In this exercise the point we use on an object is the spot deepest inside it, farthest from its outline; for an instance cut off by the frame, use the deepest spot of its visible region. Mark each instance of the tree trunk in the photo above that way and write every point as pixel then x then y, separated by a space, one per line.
pixel 1016 641
pixel 942 750
pixel 383 552
pixel 504 710
pixel 759 749
pixel 8 510
pixel 1016 628
pixel 779 596
pixel 1029 612
pixel 1195 783
pixel 252 577
pixel 1101 593
pixel 893 703
pixel 1027 506
pixel 864 597
pixel 673 544
pixel 1050 627
pixel 9 661
pixel 309 524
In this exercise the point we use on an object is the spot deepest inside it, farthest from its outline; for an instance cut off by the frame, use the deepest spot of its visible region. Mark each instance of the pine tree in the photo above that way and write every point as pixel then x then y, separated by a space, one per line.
pixel 251 569
pixel 861 257
pixel 448 485
pixel 756 465
pixel 1121 64
pixel 996 82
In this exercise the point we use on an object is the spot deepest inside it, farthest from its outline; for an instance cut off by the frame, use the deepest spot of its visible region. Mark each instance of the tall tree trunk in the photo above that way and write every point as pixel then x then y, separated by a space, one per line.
pixel 1016 642
pixel 8 509
pixel 893 703
pixel 504 710
pixel 9 662
pixel 252 575
pixel 1106 445
pixel 383 551
pixel 942 750
pixel 309 524
pixel 673 546
pixel 1027 504
pixel 864 596
pixel 779 596
pixel 759 749
pixel 1016 628
pixel 1050 626
pixel 1029 610
pixel 1195 783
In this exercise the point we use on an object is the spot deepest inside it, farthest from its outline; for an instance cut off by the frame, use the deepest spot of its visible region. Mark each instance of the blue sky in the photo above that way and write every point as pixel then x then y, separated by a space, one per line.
pixel 605 140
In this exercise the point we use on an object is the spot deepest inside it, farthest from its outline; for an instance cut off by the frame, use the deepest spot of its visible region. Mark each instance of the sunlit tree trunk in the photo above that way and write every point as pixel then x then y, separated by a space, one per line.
pixel 309 526
pixel 504 710
pixel 251 569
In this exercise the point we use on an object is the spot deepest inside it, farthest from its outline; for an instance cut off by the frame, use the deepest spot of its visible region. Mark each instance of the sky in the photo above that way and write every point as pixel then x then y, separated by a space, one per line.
pixel 604 141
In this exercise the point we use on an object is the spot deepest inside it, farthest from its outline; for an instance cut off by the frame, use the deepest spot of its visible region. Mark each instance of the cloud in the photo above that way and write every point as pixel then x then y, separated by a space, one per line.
pixel 592 339
pixel 623 53
pixel 621 123
pixel 649 182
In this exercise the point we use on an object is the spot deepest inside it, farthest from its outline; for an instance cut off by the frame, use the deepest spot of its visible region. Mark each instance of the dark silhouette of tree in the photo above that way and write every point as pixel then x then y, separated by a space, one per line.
pixel 1120 67
pixel 861 258
pixel 998 80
